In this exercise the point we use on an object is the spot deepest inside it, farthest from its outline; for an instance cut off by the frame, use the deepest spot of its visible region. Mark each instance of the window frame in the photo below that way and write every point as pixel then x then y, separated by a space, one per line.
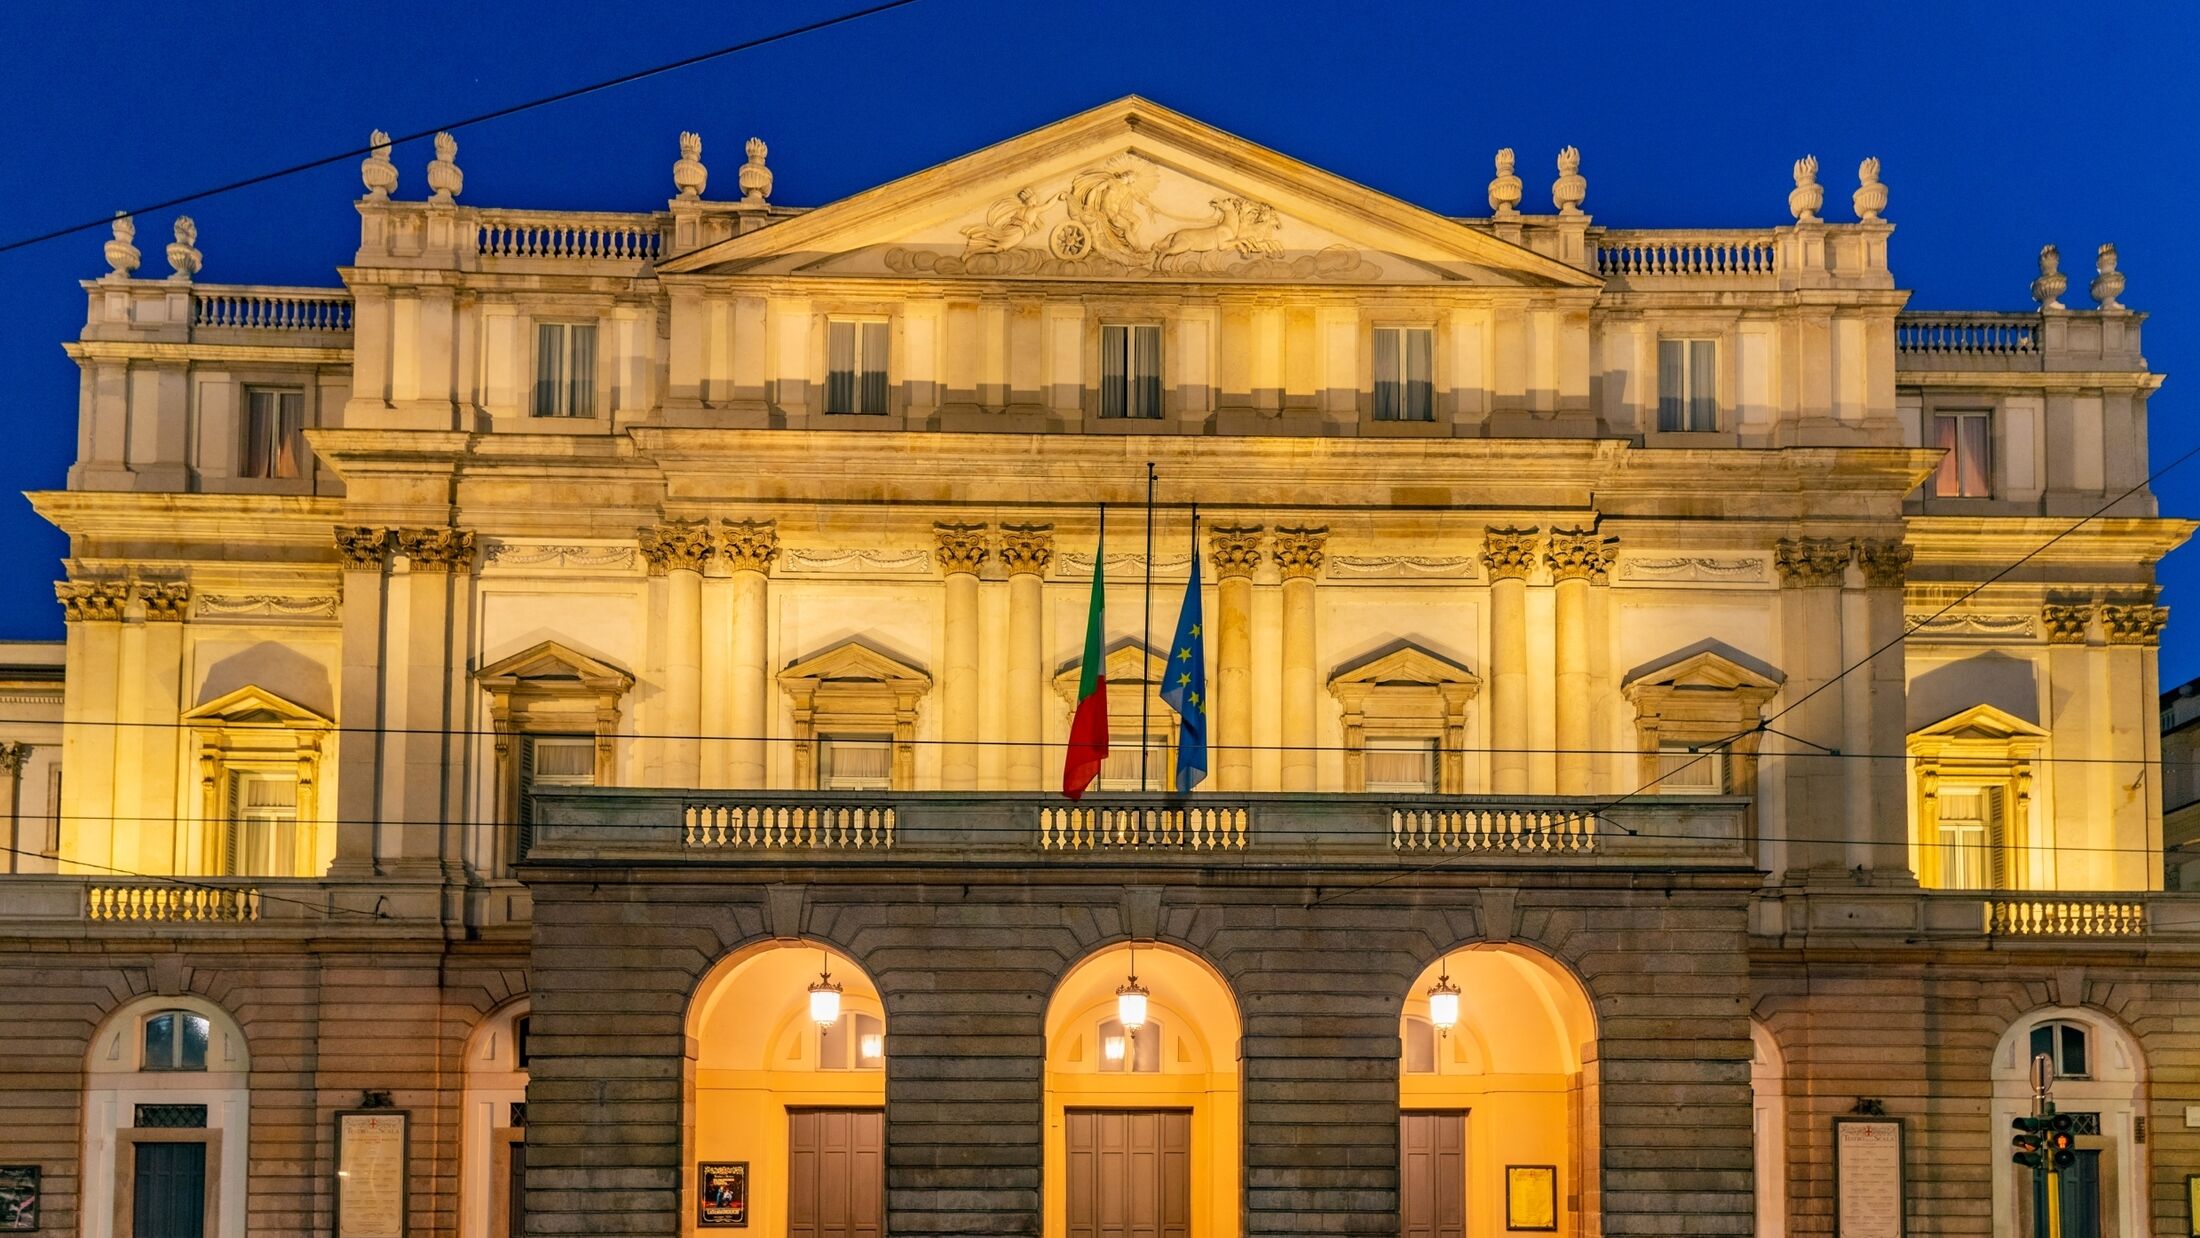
pixel 829 741
pixel 1139 1048
pixel 1431 746
pixel 1953 459
pixel 179 1017
pixel 846 1040
pixel 1692 756
pixel 1402 384
pixel 301 458
pixel 241 819
pixel 2059 1031
pixel 563 406
pixel 1689 392
pixel 1160 762
pixel 1136 389
pixel 860 386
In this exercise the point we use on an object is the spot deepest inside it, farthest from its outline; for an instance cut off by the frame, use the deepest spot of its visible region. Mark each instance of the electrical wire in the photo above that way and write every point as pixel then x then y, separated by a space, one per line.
pixel 188 883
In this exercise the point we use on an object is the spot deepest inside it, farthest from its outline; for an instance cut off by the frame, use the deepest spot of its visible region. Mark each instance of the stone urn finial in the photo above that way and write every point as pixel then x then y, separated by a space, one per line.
pixel 1571 188
pixel 184 259
pixel 376 170
pixel 2048 288
pixel 1808 195
pixel 1505 187
pixel 444 178
pixel 756 179
pixel 121 254
pixel 689 175
pixel 1871 196
pixel 2108 283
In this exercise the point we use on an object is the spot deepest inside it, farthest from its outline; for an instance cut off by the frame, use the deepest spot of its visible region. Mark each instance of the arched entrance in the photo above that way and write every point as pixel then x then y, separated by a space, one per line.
pixel 786 1124
pixel 1142 1130
pixel 2101 1080
pixel 1497 1110
pixel 166 1116
pixel 1768 1129
pixel 493 1126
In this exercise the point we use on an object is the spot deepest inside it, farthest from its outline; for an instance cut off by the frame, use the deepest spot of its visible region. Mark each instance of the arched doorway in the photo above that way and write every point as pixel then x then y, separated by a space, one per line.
pixel 166 1111
pixel 1142 1129
pixel 1497 1099
pixel 2100 1080
pixel 1768 1129
pixel 493 1126
pixel 786 1128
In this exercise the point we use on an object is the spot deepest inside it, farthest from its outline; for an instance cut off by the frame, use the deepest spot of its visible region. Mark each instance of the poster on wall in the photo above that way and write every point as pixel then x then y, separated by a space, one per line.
pixel 18 1199
pixel 2192 1203
pixel 722 1194
pixel 1531 1197
pixel 370 1172
pixel 1867 1178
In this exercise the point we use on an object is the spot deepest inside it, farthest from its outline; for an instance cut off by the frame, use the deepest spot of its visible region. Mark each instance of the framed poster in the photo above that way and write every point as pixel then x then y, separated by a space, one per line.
pixel 371 1155
pixel 1531 1197
pixel 2192 1202
pixel 1868 1190
pixel 18 1199
pixel 722 1194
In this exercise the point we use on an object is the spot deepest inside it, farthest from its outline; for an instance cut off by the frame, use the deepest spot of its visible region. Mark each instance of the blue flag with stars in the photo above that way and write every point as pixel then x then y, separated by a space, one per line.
pixel 1184 685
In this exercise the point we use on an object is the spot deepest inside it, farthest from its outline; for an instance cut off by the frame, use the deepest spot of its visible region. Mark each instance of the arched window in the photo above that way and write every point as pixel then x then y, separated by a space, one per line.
pixel 1420 1046
pixel 856 1041
pixel 1138 1054
pixel 176 1040
pixel 2065 1044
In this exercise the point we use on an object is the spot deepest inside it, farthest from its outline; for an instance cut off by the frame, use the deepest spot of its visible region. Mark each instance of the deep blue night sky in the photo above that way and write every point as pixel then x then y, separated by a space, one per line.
pixel 2000 128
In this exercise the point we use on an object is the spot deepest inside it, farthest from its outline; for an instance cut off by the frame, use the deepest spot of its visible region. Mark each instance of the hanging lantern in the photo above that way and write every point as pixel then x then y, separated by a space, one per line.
pixel 1130 1006
pixel 1443 1002
pixel 825 997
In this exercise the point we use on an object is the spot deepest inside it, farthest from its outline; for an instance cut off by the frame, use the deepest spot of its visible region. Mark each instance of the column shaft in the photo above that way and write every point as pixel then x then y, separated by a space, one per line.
pixel 1572 699
pixel 1508 733
pixel 357 758
pixel 714 681
pixel 1234 681
pixel 683 719
pixel 1856 705
pixel 1026 681
pixel 1299 688
pixel 750 676
pixel 959 685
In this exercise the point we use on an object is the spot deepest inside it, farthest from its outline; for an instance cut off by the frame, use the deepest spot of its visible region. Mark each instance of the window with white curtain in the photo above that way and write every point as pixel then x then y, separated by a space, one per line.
pixel 855 763
pixel 1688 385
pixel 1404 386
pixel 1120 772
pixel 1967 821
pixel 274 433
pixel 565 369
pixel 1686 771
pixel 1397 763
pixel 855 366
pixel 1130 370
pixel 1966 439
pixel 547 762
pixel 263 821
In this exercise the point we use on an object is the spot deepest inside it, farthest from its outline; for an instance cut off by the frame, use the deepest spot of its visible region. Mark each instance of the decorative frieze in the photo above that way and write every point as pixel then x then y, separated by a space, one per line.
pixel 676 546
pixel 1402 567
pixel 1026 549
pixel 748 545
pixel 2066 622
pixel 531 554
pixel 165 601
pixel 1299 551
pixel 1234 549
pixel 437 549
pixel 1811 562
pixel 1885 563
pixel 365 549
pixel 91 600
pixel 1579 554
pixel 1511 553
pixel 265 605
pixel 1973 623
pixel 962 547
pixel 799 561
pixel 1693 569
pixel 2137 623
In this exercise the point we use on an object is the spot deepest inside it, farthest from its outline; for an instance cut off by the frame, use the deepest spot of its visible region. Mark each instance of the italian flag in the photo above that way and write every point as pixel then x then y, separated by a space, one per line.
pixel 1088 731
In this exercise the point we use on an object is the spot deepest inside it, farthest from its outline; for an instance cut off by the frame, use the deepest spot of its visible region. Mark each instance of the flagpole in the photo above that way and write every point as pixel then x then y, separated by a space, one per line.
pixel 1145 699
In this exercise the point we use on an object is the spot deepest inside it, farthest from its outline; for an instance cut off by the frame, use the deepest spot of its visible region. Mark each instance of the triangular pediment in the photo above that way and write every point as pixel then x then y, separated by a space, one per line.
pixel 255 706
pixel 1125 662
pixel 1403 665
pixel 1130 190
pixel 1980 724
pixel 551 664
pixel 853 660
pixel 1706 670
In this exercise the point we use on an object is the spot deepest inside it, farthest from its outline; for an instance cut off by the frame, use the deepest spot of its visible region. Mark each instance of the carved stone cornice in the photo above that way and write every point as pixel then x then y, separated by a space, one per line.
pixel 1026 549
pixel 165 602
pixel 1886 563
pixel 437 549
pixel 1511 553
pixel 676 546
pixel 91 600
pixel 2066 622
pixel 962 547
pixel 1579 554
pixel 1811 562
pixel 365 549
pixel 1299 551
pixel 1234 549
pixel 748 545
pixel 2135 623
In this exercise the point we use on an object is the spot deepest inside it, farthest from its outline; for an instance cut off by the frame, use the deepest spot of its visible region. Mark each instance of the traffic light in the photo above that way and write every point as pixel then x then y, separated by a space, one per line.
pixel 2029 1143
pixel 2062 1140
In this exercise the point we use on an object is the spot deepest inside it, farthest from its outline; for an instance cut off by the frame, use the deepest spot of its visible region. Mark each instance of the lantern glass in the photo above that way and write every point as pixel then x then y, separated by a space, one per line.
pixel 824 1003
pixel 1130 1006
pixel 1443 1008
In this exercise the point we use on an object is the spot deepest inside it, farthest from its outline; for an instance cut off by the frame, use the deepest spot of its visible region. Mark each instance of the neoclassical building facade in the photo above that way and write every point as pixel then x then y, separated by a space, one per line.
pixel 506 694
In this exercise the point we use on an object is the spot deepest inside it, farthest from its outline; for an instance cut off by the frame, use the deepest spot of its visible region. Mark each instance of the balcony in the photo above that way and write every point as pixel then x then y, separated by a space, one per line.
pixel 2047 341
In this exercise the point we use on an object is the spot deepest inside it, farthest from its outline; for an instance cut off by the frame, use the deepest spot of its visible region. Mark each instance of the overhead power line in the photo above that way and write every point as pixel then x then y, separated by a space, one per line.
pixel 562 96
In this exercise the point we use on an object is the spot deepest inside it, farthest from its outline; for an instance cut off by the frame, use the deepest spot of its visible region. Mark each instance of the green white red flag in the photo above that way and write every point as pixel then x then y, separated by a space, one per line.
pixel 1088 731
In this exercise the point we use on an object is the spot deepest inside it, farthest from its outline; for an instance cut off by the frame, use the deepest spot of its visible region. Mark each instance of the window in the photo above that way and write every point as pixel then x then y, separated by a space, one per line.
pixel 856 1041
pixel 1688 385
pixel 1967 819
pixel 1404 390
pixel 521 1027
pixel 547 762
pixel 274 433
pixel 1401 764
pixel 176 1040
pixel 565 369
pixel 1139 1054
pixel 1683 771
pixel 263 820
pixel 1130 370
pixel 1420 1046
pixel 1964 470
pixel 855 763
pixel 855 366
pixel 2065 1045
pixel 1120 772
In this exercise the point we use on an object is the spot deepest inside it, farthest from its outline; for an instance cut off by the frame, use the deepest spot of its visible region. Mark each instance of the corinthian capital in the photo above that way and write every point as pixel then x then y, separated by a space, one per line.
pixel 1811 562
pixel 1578 554
pixel 676 546
pixel 165 602
pixel 748 545
pixel 1510 553
pixel 90 600
pixel 1885 563
pixel 1027 548
pixel 1299 551
pixel 2138 623
pixel 2066 622
pixel 12 756
pixel 962 547
pixel 1234 549
pixel 364 549
pixel 437 549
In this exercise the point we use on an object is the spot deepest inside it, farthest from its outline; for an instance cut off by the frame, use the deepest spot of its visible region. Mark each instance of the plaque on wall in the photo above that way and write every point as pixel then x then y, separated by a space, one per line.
pixel 1531 1197
pixel 2192 1203
pixel 722 1195
pixel 1867 1178
pixel 371 1155
pixel 18 1199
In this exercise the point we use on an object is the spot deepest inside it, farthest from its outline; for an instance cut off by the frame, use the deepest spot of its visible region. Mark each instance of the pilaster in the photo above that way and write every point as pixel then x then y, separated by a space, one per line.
pixel 1299 557
pixel 365 555
pixel 1509 554
pixel 1812 571
pixel 1026 550
pixel 1235 551
pixel 961 552
pixel 1576 557
pixel 748 548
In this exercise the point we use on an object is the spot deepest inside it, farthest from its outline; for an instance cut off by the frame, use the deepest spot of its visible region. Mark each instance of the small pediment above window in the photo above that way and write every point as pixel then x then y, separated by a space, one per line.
pixel 252 706
pixel 1403 666
pixel 551 666
pixel 1981 732
pixel 1705 670
pixel 1126 665
pixel 852 661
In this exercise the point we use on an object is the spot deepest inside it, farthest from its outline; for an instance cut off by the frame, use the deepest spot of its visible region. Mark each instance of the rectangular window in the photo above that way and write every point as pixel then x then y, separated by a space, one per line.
pixel 565 369
pixel 856 1041
pixel 263 819
pixel 1120 772
pixel 1682 772
pixel 1404 386
pixel 1400 764
pixel 1130 370
pixel 1688 385
pixel 855 367
pixel 855 763
pixel 274 433
pixel 1967 820
pixel 1967 440
pixel 547 762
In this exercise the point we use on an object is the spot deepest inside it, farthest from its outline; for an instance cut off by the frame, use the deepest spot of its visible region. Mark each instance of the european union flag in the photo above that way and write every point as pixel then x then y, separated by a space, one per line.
pixel 1184 685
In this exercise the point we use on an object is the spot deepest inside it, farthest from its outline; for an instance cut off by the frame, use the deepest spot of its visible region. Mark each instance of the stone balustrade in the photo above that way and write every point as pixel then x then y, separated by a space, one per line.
pixel 2075 916
pixel 1497 828
pixel 177 312
pixel 252 308
pixel 574 236
pixel 1192 828
pixel 2039 341
pixel 1955 335
pixel 168 902
pixel 1971 919
pixel 839 827
pixel 1723 255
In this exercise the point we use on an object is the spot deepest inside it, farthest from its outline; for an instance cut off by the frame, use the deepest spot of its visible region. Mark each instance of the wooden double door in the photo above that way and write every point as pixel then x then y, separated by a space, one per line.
pixel 836 1173
pixel 1432 1175
pixel 1129 1173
